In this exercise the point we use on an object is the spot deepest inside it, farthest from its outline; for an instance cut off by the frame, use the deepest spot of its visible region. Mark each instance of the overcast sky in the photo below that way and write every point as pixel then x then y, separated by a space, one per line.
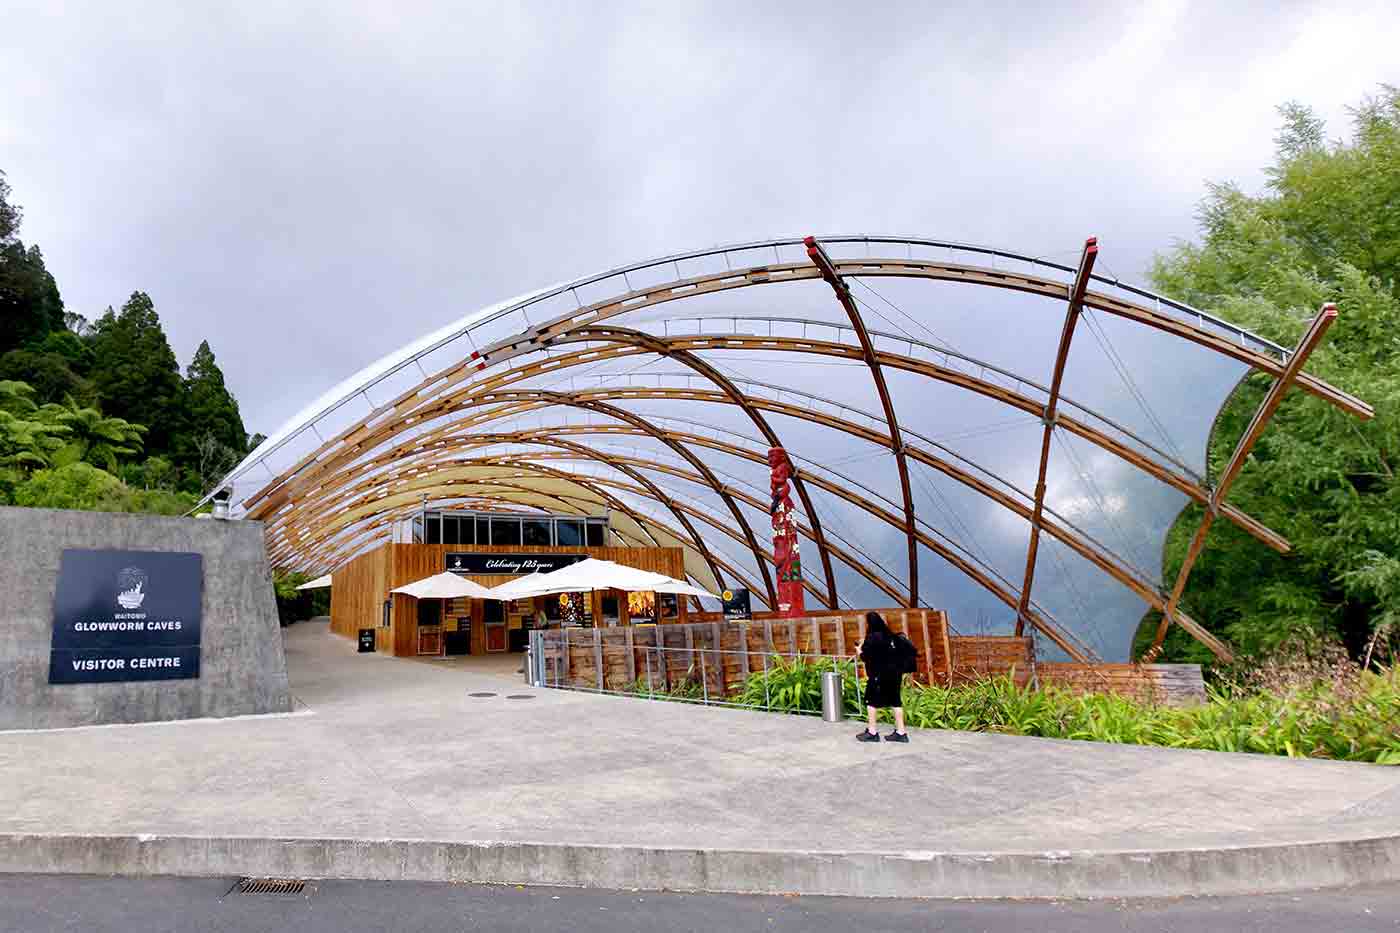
pixel 308 187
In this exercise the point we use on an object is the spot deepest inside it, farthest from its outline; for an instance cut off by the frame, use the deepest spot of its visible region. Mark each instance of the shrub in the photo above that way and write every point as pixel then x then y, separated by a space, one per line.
pixel 795 686
pixel 1293 707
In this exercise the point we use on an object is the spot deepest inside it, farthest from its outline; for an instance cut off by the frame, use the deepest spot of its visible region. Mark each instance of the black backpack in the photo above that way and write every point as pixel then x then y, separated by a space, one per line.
pixel 905 653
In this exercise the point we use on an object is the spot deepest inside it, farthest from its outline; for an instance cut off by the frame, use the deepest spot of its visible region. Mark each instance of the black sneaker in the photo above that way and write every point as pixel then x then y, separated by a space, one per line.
pixel 868 736
pixel 897 737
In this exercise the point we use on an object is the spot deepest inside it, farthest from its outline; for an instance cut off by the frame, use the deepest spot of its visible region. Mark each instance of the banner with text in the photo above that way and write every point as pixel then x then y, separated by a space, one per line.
pixel 509 564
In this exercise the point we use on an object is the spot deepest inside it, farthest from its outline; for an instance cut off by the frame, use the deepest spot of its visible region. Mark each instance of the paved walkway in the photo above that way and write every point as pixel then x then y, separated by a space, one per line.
pixel 394 749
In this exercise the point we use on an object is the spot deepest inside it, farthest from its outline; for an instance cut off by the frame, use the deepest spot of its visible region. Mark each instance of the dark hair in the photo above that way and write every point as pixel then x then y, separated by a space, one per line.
pixel 874 624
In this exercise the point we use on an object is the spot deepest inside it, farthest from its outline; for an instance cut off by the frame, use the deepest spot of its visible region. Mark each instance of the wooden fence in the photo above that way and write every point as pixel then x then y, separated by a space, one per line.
pixel 1165 684
pixel 715 659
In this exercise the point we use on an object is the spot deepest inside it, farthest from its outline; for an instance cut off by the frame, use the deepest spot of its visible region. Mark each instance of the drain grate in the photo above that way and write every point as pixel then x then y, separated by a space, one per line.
pixel 270 886
pixel 520 696
pixel 481 694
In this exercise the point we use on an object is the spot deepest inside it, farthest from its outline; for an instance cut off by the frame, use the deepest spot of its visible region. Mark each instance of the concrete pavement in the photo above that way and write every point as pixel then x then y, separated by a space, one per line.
pixel 391 769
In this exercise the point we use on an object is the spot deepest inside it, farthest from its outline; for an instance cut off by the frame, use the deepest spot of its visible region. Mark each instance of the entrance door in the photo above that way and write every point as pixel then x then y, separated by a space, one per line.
pixel 430 626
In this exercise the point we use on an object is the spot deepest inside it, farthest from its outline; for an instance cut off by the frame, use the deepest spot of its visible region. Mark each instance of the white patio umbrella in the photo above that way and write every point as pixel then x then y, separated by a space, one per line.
pixel 594 574
pixel 320 583
pixel 445 585
pixel 683 589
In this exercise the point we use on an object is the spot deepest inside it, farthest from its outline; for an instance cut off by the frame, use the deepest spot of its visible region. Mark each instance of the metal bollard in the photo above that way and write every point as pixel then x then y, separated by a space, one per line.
pixel 530 666
pixel 832 708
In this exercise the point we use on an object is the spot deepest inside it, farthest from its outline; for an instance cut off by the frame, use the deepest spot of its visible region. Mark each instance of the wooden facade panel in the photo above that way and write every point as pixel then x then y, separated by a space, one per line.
pixel 977 657
pixel 359 588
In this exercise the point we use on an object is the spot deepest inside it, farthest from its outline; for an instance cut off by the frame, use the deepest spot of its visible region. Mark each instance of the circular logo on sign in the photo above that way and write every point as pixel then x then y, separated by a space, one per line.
pixel 131 587
pixel 728 595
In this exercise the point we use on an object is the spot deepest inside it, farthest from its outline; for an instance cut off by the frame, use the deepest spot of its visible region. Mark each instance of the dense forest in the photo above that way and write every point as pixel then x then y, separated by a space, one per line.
pixel 97 415
pixel 1326 228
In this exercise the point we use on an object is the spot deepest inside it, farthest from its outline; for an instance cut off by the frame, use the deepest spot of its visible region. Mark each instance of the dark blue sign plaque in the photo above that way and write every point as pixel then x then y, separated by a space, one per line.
pixel 125 616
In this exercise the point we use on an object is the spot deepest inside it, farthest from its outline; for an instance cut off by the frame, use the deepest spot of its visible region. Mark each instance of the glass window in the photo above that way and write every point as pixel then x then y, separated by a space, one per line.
pixel 449 530
pixel 466 530
pixel 434 530
pixel 505 531
pixel 595 534
pixel 536 532
pixel 570 533
pixel 483 531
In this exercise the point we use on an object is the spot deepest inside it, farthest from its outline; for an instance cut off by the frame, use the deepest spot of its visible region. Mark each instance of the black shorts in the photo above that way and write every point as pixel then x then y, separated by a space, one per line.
pixel 882 690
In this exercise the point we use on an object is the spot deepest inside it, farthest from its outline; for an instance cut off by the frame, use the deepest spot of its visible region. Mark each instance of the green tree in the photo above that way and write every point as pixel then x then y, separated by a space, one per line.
pixel 51 374
pixel 135 372
pixel 27 441
pixel 9 213
pixel 30 305
pixel 92 437
pixel 209 408
pixel 1327 228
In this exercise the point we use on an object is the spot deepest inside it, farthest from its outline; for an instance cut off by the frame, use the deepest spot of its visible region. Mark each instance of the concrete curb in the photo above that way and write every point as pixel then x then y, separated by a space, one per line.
pixel 1066 874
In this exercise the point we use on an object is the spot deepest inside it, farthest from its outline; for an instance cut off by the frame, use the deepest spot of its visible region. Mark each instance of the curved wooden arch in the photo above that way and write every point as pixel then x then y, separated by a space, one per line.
pixel 687 344
pixel 365 490
pixel 769 274
pixel 327 466
pixel 645 522
pixel 685 357
pixel 592 400
pixel 660 496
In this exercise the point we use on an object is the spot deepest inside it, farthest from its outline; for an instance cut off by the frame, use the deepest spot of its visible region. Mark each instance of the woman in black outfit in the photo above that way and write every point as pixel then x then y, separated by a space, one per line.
pixel 877 650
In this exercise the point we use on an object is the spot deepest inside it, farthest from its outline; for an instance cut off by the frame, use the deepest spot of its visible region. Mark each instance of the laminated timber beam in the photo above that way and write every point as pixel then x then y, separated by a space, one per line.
pixel 662 348
pixel 817 253
pixel 1272 399
pixel 768 274
pixel 1128 454
pixel 1022 402
pixel 656 493
pixel 1075 306
pixel 585 399
pixel 938 271
pixel 564 450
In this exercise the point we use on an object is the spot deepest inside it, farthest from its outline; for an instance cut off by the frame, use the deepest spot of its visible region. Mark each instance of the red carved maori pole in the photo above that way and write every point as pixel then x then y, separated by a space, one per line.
pixel 790 597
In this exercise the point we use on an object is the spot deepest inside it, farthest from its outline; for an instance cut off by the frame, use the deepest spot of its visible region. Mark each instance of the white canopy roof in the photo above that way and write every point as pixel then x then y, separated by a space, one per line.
pixel 319 583
pixel 445 585
pixel 594 574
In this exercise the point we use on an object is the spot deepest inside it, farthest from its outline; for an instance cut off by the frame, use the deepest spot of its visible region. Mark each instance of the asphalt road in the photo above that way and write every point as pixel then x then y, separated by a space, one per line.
pixel 48 904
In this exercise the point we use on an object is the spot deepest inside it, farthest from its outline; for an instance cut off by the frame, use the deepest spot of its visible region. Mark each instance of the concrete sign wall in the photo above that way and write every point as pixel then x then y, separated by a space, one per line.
pixel 133 618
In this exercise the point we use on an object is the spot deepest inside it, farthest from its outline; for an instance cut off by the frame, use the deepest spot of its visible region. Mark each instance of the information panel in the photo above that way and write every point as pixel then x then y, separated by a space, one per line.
pixel 126 615
pixel 736 603
pixel 506 564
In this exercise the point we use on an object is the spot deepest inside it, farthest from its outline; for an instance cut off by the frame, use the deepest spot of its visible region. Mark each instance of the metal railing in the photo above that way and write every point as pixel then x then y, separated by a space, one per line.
pixel 697 675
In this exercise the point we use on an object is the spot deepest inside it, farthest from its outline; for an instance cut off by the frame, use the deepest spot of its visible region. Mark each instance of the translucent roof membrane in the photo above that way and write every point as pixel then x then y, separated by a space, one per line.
pixel 653 391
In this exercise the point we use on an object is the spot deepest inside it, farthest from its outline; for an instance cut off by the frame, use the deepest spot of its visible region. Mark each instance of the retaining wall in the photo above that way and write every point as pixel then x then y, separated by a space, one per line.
pixel 242 667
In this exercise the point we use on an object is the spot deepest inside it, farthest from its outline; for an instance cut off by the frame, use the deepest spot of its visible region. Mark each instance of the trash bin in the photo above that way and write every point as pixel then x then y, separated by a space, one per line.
pixel 832 708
